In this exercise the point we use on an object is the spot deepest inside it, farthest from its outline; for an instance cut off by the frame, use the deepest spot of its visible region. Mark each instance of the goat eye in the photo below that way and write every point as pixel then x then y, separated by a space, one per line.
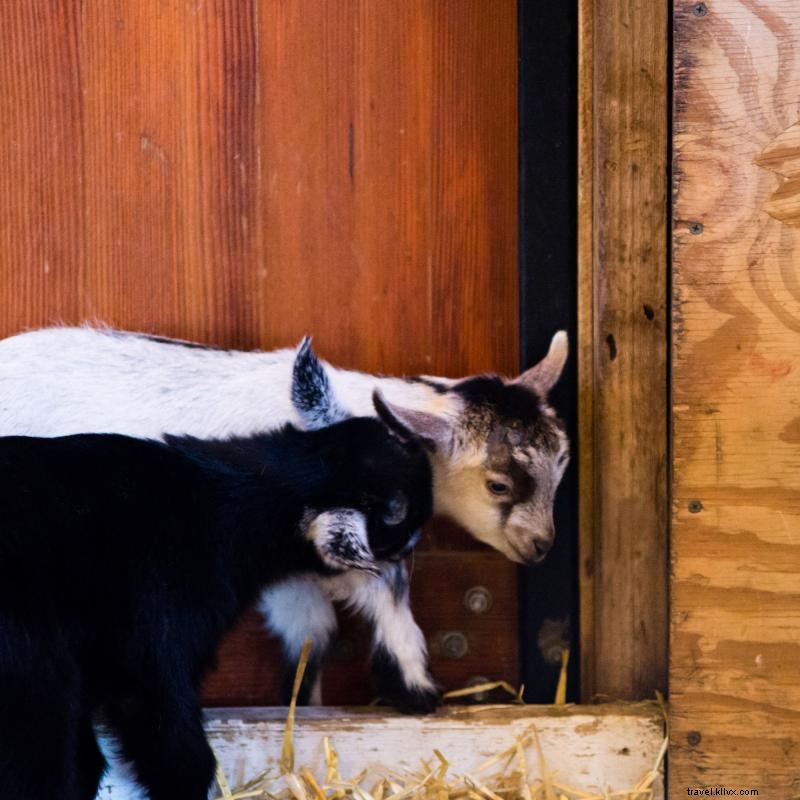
pixel 396 508
pixel 498 489
pixel 563 458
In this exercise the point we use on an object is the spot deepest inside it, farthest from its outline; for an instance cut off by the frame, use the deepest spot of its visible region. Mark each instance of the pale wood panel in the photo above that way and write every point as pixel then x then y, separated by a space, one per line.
pixel 623 347
pixel 599 749
pixel 245 172
pixel 735 694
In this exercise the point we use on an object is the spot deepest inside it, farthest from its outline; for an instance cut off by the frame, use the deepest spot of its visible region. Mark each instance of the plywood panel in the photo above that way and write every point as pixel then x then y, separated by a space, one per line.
pixel 244 172
pixel 735 694
pixel 623 347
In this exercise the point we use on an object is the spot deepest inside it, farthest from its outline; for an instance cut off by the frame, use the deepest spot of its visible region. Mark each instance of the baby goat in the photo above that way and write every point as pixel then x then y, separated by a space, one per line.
pixel 124 561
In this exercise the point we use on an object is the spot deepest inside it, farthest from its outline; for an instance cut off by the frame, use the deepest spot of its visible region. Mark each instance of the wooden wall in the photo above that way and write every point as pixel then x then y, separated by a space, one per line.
pixel 735 655
pixel 245 171
pixel 622 349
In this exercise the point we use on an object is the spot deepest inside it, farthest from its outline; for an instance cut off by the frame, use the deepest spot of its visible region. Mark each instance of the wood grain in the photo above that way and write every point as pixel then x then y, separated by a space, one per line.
pixel 623 347
pixel 246 172
pixel 735 693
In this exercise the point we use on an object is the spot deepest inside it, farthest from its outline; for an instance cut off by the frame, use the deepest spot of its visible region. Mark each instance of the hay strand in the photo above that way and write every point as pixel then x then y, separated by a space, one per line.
pixel 287 752
pixel 561 689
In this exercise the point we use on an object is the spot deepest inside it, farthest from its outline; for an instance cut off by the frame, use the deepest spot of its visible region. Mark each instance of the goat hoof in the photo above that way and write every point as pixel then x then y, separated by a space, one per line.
pixel 418 701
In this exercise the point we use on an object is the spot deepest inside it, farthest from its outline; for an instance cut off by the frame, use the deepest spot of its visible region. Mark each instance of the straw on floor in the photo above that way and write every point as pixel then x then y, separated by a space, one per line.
pixel 504 776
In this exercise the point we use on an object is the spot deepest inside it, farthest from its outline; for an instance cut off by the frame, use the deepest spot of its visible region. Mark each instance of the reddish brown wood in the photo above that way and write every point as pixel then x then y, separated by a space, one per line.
pixel 245 172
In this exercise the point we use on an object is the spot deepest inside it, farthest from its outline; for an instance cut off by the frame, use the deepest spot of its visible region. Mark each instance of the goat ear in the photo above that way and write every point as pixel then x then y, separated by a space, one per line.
pixel 312 394
pixel 541 377
pixel 340 538
pixel 435 433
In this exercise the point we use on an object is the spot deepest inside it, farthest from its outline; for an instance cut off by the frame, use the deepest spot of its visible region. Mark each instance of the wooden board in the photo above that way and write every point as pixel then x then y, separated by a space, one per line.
pixel 735 692
pixel 243 172
pixel 622 308
pixel 594 748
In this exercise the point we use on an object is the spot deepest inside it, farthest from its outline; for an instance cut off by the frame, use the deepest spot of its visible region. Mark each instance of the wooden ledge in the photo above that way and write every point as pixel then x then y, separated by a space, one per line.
pixel 595 748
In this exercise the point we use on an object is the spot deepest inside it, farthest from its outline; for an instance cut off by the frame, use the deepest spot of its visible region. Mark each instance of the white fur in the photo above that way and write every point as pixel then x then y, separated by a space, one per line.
pixel 59 381
pixel 297 609
pixel 394 625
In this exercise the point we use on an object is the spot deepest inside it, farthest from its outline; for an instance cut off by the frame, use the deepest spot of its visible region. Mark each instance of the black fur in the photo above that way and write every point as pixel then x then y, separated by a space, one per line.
pixel 509 401
pixel 439 388
pixel 392 689
pixel 123 562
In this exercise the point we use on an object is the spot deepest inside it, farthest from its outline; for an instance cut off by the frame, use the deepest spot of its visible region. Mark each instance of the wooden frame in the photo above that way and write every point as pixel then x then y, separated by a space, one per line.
pixel 622 323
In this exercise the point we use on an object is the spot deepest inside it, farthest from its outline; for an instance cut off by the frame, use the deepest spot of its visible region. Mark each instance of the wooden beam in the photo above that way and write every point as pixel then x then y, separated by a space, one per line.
pixel 736 398
pixel 623 346
pixel 596 748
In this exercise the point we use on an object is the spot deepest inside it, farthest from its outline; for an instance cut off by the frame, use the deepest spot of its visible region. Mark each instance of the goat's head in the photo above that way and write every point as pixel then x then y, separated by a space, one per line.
pixel 379 493
pixel 499 455
pixel 497 448
pixel 388 475
pixel 383 464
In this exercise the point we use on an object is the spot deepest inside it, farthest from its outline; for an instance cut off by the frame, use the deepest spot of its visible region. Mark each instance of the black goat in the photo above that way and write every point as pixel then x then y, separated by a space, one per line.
pixel 123 562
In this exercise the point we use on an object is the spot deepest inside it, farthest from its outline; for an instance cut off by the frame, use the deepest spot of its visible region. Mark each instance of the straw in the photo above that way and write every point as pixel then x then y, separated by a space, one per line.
pixel 435 779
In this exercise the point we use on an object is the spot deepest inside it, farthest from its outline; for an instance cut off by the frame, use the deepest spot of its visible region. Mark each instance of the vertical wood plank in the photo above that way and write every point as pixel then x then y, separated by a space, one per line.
pixel 42 182
pixel 735 696
pixel 585 350
pixel 622 321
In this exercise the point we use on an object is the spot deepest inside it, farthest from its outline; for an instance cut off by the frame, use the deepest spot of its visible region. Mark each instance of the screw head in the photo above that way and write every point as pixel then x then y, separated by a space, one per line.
pixel 695 506
pixel 695 228
pixel 454 644
pixel 699 9
pixel 478 600
pixel 693 737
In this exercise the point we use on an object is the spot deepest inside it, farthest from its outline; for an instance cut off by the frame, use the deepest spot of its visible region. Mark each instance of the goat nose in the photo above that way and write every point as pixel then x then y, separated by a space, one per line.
pixel 542 548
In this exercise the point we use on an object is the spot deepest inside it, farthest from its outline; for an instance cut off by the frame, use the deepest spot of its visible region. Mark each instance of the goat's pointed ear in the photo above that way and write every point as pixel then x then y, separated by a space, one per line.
pixel 312 394
pixel 435 433
pixel 542 377
pixel 340 537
